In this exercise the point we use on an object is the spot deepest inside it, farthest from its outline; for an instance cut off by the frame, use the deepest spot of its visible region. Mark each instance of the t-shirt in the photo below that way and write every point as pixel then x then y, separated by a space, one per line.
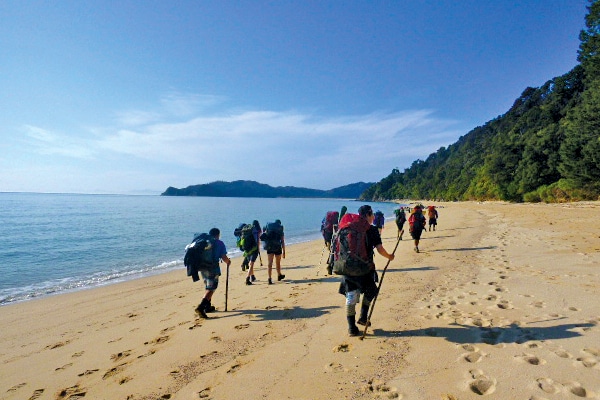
pixel 219 250
pixel 373 239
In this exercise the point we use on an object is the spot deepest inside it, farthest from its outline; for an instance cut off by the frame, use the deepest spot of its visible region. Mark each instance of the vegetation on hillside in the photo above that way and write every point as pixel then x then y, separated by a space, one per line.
pixel 545 148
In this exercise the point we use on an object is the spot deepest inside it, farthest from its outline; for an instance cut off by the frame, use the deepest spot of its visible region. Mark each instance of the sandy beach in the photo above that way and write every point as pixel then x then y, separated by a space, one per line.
pixel 502 302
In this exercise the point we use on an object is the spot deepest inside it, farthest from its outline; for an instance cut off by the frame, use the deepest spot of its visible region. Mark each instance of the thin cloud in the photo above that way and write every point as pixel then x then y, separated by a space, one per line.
pixel 298 145
pixel 46 142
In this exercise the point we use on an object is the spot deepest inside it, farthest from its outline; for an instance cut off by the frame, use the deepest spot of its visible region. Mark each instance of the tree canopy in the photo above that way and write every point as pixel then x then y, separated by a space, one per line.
pixel 546 147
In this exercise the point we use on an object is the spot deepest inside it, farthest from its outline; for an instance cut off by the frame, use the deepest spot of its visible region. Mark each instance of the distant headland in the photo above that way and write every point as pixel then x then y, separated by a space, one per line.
pixel 256 189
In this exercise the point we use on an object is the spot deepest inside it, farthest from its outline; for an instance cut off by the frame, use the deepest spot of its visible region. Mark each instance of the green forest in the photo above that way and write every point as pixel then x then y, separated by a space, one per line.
pixel 545 148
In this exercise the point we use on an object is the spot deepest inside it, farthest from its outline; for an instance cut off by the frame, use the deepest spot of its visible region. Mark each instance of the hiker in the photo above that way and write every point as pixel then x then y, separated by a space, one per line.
pixel 328 226
pixel 416 223
pixel 274 244
pixel 253 253
pixel 379 221
pixel 432 214
pixel 211 276
pixel 353 286
pixel 400 220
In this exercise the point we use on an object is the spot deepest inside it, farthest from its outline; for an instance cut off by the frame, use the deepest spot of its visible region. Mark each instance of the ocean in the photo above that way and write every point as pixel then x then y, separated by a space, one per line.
pixel 56 243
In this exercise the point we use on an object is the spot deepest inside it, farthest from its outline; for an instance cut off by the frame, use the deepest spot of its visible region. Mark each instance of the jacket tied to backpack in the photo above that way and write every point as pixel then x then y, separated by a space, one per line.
pixel 351 254
pixel 199 256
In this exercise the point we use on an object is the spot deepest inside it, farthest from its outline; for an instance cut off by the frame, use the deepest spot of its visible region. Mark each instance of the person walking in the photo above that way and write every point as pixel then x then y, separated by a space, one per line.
pixel 416 223
pixel 432 214
pixel 211 275
pixel 274 244
pixel 400 220
pixel 379 221
pixel 253 254
pixel 353 286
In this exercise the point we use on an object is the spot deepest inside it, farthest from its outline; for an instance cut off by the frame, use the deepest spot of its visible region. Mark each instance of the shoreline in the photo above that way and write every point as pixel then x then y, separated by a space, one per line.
pixel 502 299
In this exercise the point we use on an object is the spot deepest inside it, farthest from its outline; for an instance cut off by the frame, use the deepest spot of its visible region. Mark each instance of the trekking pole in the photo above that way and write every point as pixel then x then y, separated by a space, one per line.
pixel 226 286
pixel 376 296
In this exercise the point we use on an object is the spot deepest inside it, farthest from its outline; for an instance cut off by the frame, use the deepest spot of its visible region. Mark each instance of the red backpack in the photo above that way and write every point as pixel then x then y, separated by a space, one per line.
pixel 351 256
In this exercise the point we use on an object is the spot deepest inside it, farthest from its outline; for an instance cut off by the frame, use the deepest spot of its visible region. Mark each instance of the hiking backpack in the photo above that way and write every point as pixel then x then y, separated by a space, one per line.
pixel 351 256
pixel 400 216
pixel 199 255
pixel 379 220
pixel 247 239
pixel 330 221
pixel 416 222
pixel 272 236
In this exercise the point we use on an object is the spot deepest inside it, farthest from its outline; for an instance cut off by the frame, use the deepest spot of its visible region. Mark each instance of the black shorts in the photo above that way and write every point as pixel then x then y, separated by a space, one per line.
pixel 416 234
pixel 276 252
pixel 432 221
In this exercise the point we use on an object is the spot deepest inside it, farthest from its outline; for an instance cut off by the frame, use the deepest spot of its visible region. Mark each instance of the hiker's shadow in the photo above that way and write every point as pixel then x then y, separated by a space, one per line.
pixel 464 249
pixel 514 333
pixel 276 313
pixel 414 269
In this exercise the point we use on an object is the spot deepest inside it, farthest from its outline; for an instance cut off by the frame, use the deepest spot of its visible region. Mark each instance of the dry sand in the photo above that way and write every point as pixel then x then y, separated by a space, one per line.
pixel 502 302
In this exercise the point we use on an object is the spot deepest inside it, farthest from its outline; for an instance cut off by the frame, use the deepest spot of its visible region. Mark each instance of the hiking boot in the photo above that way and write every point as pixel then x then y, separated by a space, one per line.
pixel 280 277
pixel 417 249
pixel 248 281
pixel 270 281
pixel 329 271
pixel 352 328
pixel 252 278
pixel 201 313
pixel 363 322
pixel 210 308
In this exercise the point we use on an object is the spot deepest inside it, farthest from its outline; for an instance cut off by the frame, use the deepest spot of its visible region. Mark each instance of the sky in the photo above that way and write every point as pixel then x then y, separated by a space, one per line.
pixel 132 96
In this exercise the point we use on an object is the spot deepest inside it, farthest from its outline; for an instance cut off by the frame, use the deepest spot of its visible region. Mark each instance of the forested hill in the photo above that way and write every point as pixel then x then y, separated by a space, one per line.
pixel 255 189
pixel 545 148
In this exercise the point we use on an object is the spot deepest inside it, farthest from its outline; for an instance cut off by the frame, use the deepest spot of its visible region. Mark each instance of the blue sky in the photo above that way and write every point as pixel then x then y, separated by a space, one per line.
pixel 134 96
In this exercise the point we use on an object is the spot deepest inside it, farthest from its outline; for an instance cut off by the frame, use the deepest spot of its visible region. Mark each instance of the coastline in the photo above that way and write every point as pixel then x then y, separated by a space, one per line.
pixel 503 299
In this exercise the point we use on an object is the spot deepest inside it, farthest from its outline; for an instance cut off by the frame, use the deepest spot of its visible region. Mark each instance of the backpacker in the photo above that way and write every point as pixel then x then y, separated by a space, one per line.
pixel 247 239
pixel 416 222
pixel 272 236
pixel 400 216
pixel 199 255
pixel 330 221
pixel 351 256
pixel 379 220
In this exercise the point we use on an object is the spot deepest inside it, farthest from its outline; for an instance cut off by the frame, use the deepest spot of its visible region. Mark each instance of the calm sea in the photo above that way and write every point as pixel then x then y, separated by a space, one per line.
pixel 54 243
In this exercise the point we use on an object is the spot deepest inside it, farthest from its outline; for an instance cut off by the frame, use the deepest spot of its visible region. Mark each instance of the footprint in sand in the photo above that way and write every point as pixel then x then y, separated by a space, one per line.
pixel 531 359
pixel 336 367
pixel 342 348
pixel 380 389
pixel 88 372
pixel 78 354
pixel 120 355
pixel 482 384
pixel 548 385
pixel 505 305
pixel 204 393
pixel 234 368
pixel 563 353
pixel 63 367
pixel 114 371
pixel 16 387
pixel 474 357
pixel 242 326
pixel 588 362
pixel 593 351
pixel 36 393
pixel 576 389
pixel 71 393
pixel 538 304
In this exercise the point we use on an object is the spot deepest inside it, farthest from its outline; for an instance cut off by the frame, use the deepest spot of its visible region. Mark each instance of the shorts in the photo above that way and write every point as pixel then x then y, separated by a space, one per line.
pixel 277 252
pixel 432 221
pixel 211 280
pixel 416 234
pixel 252 257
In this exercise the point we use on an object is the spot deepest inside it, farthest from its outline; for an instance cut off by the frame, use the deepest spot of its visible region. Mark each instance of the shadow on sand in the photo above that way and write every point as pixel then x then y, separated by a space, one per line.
pixel 514 333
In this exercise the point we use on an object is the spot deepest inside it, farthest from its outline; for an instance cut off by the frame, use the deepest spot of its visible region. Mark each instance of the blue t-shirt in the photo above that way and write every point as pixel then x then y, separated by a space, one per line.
pixel 219 250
